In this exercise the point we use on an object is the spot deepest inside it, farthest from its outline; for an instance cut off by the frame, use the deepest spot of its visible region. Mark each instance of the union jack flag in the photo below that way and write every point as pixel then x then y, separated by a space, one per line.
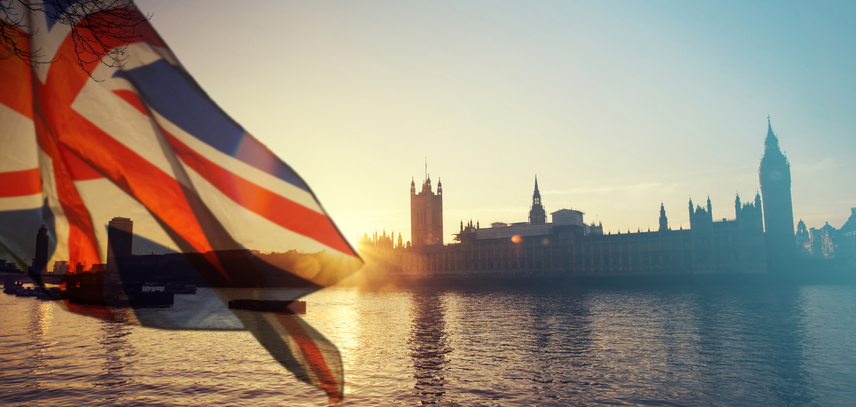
pixel 82 141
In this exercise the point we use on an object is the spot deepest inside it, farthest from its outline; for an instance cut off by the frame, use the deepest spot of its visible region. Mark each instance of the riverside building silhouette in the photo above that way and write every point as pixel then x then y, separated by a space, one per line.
pixel 40 262
pixel 567 245
pixel 120 240
pixel 426 214
pixel 537 214
pixel 775 178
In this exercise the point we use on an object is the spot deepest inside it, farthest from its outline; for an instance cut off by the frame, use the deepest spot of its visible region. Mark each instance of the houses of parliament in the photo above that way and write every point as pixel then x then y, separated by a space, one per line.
pixel 760 238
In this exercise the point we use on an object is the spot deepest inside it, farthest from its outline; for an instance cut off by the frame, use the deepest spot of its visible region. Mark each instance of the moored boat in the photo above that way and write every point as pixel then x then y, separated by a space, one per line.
pixel 25 292
pixel 90 288
pixel 11 287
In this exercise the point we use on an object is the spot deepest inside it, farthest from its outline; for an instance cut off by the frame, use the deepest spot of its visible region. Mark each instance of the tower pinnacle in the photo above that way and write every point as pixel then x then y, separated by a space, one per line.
pixel 772 142
pixel 775 176
pixel 537 215
pixel 426 212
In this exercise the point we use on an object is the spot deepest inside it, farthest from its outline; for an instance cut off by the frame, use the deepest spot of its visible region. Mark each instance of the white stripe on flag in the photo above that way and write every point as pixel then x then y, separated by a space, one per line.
pixel 123 122
pixel 17 135
pixel 247 228
pixel 105 200
pixel 242 169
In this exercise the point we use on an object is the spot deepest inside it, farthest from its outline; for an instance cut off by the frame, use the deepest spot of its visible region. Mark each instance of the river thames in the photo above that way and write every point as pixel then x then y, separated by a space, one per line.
pixel 680 346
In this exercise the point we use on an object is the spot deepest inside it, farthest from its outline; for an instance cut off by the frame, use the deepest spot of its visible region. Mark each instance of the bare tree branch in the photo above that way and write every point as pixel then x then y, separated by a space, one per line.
pixel 96 27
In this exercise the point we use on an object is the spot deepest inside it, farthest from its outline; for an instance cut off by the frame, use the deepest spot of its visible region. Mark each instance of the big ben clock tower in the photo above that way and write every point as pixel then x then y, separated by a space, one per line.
pixel 775 176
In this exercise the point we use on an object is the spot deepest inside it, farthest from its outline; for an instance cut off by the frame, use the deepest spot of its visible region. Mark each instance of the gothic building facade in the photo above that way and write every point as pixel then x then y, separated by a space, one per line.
pixel 40 262
pixel 775 177
pixel 759 238
pixel 569 246
pixel 426 214
pixel 827 242
pixel 537 214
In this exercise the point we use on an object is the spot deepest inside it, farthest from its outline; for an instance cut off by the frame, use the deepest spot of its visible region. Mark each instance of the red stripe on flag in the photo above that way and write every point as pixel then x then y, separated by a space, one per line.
pixel 17 91
pixel 162 195
pixel 53 102
pixel 133 99
pixel 79 170
pixel 59 127
pixel 155 189
pixel 20 183
pixel 313 357
pixel 82 245
pixel 275 208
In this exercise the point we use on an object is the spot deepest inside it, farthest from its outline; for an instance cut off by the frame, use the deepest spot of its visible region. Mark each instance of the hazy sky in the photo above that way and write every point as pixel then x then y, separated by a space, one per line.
pixel 616 106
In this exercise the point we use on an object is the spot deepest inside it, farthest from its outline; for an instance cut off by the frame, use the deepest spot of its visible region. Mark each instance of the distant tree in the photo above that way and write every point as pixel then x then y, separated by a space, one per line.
pixel 94 24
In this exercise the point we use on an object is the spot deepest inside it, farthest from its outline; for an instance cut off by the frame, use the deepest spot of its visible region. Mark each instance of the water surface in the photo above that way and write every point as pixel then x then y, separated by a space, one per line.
pixel 687 346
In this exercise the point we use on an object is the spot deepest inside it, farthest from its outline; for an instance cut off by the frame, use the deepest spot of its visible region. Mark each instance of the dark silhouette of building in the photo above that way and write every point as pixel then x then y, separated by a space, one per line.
pixel 701 217
pixel 845 238
pixel 775 178
pixel 537 214
pixel 827 242
pixel 225 268
pixel 568 246
pixel 803 239
pixel 664 221
pixel 6 266
pixel 40 262
pixel 426 214
pixel 756 240
pixel 120 240
pixel 381 241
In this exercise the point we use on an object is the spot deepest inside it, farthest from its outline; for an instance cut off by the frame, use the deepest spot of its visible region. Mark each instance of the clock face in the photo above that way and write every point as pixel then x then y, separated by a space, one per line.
pixel 776 175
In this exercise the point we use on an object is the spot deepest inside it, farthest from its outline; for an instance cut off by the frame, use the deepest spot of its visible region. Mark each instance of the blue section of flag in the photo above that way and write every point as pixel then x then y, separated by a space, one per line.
pixel 177 97
pixel 52 12
pixel 18 229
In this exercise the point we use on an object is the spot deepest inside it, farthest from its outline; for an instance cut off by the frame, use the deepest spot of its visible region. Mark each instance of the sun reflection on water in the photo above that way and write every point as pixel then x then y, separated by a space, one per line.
pixel 508 346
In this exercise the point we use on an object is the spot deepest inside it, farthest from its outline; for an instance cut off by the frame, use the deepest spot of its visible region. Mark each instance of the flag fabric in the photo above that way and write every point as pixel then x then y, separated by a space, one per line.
pixel 82 141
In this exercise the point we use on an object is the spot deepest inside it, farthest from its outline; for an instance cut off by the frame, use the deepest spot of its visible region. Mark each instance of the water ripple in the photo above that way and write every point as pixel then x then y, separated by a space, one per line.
pixel 501 347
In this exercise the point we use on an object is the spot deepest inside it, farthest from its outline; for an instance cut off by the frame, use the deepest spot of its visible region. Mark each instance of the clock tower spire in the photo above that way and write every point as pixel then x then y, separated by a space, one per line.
pixel 537 214
pixel 775 177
